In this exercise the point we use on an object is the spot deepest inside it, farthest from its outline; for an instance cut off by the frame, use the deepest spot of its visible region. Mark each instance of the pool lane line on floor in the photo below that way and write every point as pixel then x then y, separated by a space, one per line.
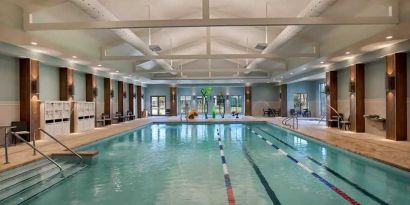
pixel 228 185
pixel 321 179
pixel 261 177
pixel 341 177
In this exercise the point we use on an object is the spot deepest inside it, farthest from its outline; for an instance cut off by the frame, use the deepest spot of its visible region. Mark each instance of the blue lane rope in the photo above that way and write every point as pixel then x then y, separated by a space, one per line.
pixel 321 179
pixel 364 191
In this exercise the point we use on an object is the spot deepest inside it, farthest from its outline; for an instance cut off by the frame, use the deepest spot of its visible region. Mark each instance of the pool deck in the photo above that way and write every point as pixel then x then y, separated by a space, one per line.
pixel 377 147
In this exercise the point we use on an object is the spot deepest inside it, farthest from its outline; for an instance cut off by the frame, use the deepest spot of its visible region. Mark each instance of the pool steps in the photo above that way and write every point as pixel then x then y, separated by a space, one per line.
pixel 23 183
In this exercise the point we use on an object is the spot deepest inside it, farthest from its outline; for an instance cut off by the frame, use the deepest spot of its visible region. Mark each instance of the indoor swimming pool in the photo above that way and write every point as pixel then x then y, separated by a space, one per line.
pixel 208 163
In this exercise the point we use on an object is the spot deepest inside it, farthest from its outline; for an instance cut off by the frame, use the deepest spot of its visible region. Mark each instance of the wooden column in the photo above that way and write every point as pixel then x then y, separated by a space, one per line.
pixel 331 91
pixel 66 84
pixel 90 87
pixel 396 97
pixel 131 98
pixel 357 98
pixel 173 100
pixel 29 95
pixel 139 103
pixel 67 90
pixel 121 97
pixel 248 101
pixel 107 96
pixel 283 90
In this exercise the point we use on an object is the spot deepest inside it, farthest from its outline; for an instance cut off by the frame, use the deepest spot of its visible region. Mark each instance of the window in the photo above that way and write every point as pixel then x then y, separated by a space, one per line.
pixel 322 98
pixel 236 103
pixel 219 103
pixel 185 101
pixel 300 102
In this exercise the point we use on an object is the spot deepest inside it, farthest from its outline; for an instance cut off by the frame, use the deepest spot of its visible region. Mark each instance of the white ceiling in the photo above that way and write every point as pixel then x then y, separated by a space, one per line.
pixel 86 44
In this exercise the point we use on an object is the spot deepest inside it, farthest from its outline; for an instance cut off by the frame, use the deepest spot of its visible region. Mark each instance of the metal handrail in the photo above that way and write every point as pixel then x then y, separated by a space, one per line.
pixel 59 142
pixel 294 119
pixel 27 143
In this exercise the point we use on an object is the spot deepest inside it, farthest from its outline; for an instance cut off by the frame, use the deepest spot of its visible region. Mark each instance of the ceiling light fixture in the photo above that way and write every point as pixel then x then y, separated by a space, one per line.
pixel 117 71
pixel 322 62
pixel 291 73
pixel 389 37
pixel 34 43
pixel 74 56
pixel 99 65
pixel 348 53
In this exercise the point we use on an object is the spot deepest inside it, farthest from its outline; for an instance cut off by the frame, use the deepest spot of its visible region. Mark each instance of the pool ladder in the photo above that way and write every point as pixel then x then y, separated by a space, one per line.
pixel 35 149
pixel 294 122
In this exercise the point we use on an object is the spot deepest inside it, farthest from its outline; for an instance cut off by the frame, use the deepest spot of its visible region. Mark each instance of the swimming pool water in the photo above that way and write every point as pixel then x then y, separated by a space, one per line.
pixel 181 164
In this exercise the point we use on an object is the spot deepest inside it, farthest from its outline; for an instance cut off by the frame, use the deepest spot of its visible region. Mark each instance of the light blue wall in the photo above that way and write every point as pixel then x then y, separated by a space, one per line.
pixel 156 90
pixel 79 86
pixel 375 80
pixel 100 90
pixel 49 83
pixel 115 89
pixel 264 95
pixel 343 84
pixel 9 78
pixel 311 88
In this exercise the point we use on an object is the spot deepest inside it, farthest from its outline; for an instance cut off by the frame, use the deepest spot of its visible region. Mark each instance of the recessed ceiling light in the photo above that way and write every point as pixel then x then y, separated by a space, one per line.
pixel 321 62
pixel 348 52
pixel 389 37
pixel 34 43
pixel 74 56
pixel 99 65
pixel 117 71
pixel 291 73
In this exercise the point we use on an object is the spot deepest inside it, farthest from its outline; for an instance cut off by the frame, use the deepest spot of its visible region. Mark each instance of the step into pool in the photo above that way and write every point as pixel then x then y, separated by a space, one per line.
pixel 206 163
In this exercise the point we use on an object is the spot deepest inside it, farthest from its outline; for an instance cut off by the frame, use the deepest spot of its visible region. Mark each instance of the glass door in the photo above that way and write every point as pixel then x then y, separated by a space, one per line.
pixel 158 105
pixel 162 105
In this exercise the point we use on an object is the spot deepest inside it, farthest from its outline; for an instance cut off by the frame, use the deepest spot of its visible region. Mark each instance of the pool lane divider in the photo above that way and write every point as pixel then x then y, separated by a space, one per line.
pixel 262 178
pixel 364 191
pixel 228 184
pixel 321 179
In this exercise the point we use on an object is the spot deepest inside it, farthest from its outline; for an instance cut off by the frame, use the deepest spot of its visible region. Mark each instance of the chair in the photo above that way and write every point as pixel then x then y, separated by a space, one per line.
pixel 292 112
pixel 105 119
pixel 21 129
pixel 267 111
pixel 345 123
pixel 130 115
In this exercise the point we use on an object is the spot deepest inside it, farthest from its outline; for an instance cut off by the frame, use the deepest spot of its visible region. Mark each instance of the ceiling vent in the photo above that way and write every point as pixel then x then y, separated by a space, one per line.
pixel 155 48
pixel 261 46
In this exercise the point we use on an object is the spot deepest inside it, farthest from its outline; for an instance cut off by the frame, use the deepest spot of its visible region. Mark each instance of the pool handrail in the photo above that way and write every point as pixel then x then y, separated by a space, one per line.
pixel 62 144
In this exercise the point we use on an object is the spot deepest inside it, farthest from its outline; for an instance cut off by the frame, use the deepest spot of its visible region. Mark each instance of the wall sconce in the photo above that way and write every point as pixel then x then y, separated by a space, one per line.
pixel 352 87
pixel 112 93
pixel 71 91
pixel 35 88
pixel 327 90
pixel 95 92
pixel 125 95
pixel 390 83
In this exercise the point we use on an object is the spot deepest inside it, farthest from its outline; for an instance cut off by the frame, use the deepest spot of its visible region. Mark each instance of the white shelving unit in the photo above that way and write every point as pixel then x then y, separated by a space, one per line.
pixel 55 118
pixel 84 116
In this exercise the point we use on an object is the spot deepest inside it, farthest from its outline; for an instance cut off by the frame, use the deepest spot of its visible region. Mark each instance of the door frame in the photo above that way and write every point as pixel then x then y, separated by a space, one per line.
pixel 158 96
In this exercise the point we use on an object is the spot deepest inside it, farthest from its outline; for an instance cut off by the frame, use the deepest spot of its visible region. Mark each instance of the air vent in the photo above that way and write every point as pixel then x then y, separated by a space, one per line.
pixel 261 46
pixel 155 48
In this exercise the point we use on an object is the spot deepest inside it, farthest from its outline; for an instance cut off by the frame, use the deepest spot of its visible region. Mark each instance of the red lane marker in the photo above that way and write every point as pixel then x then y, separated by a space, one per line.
pixel 231 198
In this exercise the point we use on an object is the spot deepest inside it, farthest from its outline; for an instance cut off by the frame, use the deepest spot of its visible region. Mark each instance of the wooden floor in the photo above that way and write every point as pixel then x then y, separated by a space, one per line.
pixel 391 152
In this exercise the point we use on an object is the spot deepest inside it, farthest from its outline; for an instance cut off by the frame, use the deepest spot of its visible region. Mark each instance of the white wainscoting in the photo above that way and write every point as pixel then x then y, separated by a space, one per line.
pixel 9 111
